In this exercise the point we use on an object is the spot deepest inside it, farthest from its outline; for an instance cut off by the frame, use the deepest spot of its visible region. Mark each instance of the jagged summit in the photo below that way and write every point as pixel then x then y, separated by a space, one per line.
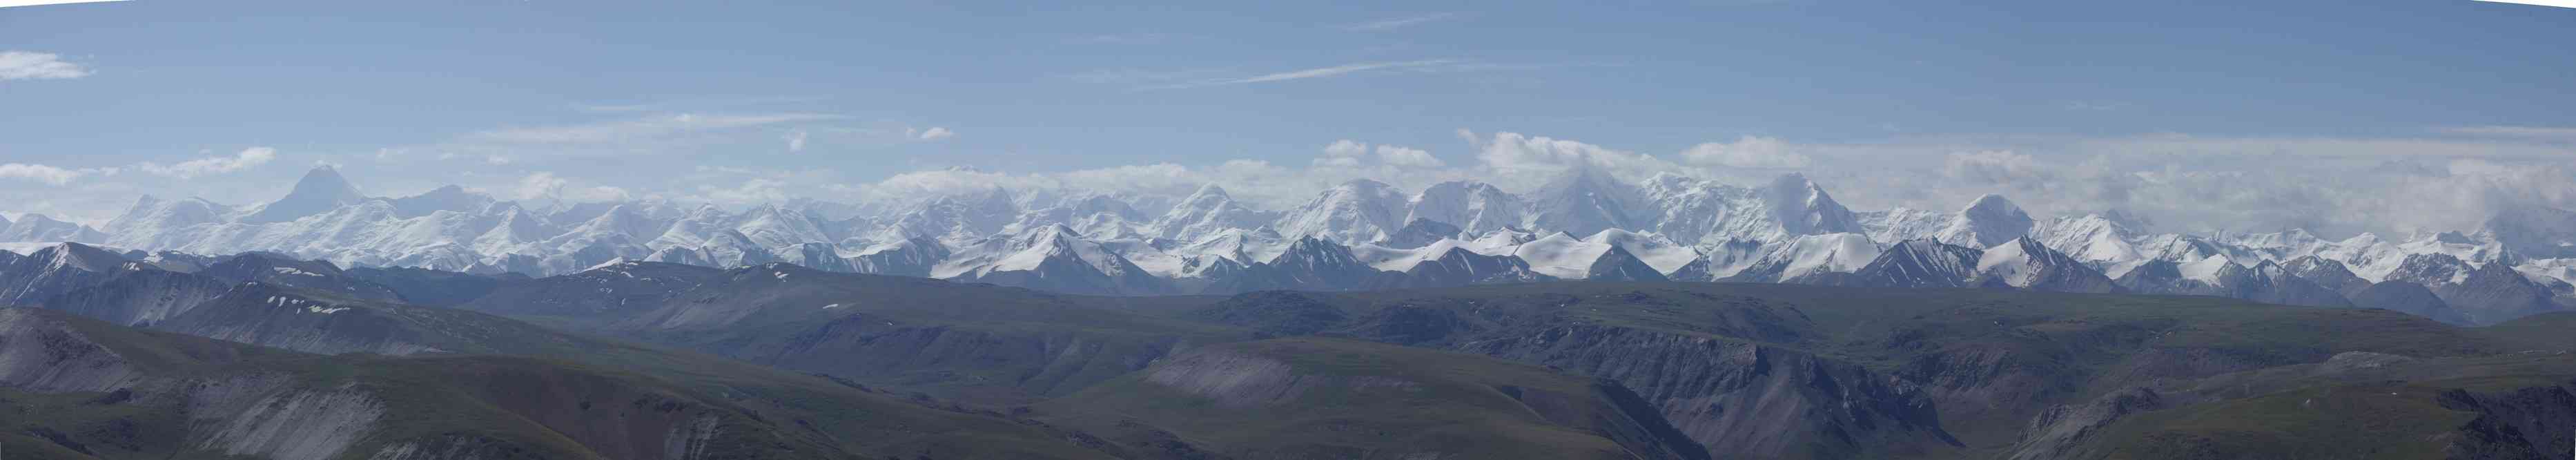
pixel 1583 224
pixel 1988 221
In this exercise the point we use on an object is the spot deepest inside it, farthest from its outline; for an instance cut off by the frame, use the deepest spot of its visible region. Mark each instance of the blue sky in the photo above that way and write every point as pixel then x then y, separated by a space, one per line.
pixel 688 101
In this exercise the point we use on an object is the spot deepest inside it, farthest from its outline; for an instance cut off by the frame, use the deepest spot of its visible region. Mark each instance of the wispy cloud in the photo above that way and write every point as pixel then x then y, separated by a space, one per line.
pixel 1135 38
pixel 641 128
pixel 190 169
pixel 49 174
pixel 613 108
pixel 1399 23
pixel 1124 76
pixel 26 65
pixel 1323 72
pixel 932 134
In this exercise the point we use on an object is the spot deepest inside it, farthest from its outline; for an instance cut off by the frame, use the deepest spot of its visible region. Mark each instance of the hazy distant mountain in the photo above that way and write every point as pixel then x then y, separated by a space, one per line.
pixel 1583 224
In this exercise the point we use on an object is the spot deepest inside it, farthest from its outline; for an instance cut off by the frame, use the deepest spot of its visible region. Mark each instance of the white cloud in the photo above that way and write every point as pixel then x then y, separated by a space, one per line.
pixel 1532 158
pixel 756 191
pixel 191 169
pixel 1407 157
pixel 25 65
pixel 42 173
pixel 1399 23
pixel 796 141
pixel 1343 153
pixel 1994 166
pixel 936 133
pixel 1348 153
pixel 1746 152
pixel 545 184
pixel 2544 132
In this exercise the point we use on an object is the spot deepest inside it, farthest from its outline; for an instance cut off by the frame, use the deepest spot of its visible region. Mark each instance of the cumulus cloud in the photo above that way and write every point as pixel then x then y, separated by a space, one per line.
pixel 1992 166
pixel 796 141
pixel 545 184
pixel 191 169
pixel 1348 153
pixel 1746 152
pixel 42 173
pixel 1343 153
pixel 1523 158
pixel 1407 157
pixel 27 65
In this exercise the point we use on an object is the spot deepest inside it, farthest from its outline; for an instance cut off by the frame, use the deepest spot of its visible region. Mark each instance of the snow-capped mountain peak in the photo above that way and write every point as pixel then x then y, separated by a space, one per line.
pixel 319 191
pixel 1990 220
pixel 1358 211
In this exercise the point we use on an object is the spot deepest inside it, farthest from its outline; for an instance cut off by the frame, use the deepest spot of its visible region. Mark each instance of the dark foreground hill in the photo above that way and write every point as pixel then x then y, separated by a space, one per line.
pixel 77 388
pixel 916 368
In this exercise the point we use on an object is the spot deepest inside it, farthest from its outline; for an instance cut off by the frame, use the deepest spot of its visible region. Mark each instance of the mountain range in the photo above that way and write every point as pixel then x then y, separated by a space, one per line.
pixel 1363 234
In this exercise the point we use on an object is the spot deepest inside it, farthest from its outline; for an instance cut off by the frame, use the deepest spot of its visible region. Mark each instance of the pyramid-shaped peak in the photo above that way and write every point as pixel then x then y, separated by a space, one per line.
pixel 1208 190
pixel 324 179
pixel 321 190
pixel 1992 205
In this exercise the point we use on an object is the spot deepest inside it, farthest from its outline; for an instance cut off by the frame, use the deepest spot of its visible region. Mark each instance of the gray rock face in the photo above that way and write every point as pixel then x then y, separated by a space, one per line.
pixel 1420 232
pixel 2270 283
pixel 43 355
pixel 1308 264
pixel 2327 273
pixel 2414 299
pixel 912 257
pixel 1742 399
pixel 140 297
pixel 1016 367
pixel 617 290
pixel 1920 263
pixel 2496 293
pixel 2024 263
pixel 1239 380
pixel 435 288
pixel 56 270
pixel 1619 265
pixel 2057 432
pixel 268 417
pixel 2532 422
pixel 1460 267
pixel 268 315
pixel 279 269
